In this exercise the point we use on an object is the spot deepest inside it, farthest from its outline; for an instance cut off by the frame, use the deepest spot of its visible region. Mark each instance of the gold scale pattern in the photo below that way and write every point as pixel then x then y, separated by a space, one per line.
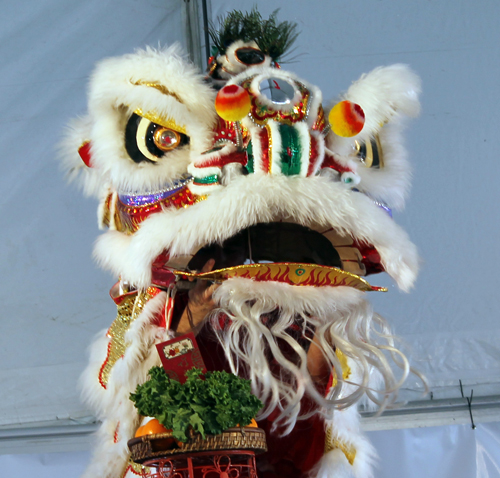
pixel 332 443
pixel 127 311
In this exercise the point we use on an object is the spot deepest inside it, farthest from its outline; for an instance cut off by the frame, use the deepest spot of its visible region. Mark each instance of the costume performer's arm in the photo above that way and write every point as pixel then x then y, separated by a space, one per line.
pixel 200 304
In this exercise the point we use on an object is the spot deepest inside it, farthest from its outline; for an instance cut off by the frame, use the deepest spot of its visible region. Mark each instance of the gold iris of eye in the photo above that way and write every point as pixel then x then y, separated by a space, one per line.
pixel 166 139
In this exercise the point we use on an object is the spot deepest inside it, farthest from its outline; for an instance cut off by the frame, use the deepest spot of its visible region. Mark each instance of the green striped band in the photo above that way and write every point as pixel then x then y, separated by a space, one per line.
pixel 249 165
pixel 214 178
pixel 290 154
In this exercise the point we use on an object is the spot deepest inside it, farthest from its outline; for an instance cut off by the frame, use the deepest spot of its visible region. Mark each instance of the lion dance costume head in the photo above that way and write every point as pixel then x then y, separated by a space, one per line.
pixel 294 205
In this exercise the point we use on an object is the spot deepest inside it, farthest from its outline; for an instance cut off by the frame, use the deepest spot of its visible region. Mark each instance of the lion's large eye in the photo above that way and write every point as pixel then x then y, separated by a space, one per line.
pixel 166 139
pixel 148 141
pixel 370 153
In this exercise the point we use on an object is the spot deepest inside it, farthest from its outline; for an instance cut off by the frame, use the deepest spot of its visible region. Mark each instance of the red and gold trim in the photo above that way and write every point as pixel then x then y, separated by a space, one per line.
pixel 128 219
pixel 289 273
pixel 136 469
pixel 261 113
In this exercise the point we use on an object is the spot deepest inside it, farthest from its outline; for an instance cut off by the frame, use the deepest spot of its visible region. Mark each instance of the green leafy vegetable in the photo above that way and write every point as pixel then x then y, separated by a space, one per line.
pixel 209 403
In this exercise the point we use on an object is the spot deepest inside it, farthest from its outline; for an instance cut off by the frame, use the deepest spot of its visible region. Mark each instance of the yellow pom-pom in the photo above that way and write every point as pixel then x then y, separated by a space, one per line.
pixel 347 119
pixel 232 103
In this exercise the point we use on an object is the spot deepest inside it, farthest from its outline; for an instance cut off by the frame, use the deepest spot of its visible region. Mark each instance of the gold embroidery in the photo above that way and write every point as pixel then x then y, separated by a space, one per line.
pixel 128 310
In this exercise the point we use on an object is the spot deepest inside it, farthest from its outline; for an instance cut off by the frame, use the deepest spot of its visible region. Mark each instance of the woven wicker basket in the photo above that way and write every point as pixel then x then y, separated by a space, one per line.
pixel 153 446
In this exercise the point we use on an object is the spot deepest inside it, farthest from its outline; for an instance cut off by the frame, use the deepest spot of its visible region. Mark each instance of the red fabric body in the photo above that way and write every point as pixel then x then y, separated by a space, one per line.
pixel 290 456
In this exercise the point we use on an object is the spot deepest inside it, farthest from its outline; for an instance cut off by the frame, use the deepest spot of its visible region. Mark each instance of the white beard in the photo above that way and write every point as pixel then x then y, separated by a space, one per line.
pixel 340 318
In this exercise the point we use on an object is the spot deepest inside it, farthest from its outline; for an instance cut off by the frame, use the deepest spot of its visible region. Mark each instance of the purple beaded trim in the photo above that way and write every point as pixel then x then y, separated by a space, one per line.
pixel 152 198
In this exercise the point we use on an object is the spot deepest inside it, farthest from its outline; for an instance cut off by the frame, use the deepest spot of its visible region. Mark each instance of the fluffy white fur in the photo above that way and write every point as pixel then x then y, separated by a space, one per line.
pixel 114 94
pixel 112 405
pixel 231 65
pixel 334 464
pixel 197 170
pixel 383 93
pixel 387 95
pixel 252 199
pixel 344 426
pixel 340 318
pixel 88 179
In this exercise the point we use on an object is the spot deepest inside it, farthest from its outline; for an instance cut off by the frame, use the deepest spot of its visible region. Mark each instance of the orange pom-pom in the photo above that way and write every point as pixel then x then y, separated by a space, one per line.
pixel 347 119
pixel 232 103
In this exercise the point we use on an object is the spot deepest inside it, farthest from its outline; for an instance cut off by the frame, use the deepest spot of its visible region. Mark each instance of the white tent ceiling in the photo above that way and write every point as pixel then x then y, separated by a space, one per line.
pixel 55 299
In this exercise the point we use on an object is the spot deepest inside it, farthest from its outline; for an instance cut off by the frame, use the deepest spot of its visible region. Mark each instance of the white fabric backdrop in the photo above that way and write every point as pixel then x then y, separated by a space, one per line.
pixel 436 452
pixel 55 299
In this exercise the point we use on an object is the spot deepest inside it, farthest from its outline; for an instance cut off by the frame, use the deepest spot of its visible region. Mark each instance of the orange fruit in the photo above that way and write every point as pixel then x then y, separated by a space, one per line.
pixel 252 424
pixel 151 428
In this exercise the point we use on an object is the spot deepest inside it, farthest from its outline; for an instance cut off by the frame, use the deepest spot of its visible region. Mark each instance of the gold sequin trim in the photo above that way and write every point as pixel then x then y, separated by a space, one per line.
pixel 161 120
pixel 269 147
pixel 127 311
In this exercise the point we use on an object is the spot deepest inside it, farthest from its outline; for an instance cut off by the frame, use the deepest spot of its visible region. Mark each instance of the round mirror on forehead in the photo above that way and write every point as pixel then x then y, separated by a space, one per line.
pixel 277 90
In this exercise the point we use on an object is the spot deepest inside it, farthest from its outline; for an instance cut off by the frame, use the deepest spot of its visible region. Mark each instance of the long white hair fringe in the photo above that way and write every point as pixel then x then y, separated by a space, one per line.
pixel 340 319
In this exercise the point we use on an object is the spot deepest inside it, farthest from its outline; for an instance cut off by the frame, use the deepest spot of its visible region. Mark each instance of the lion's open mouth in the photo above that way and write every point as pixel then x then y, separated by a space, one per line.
pixel 270 242
pixel 277 251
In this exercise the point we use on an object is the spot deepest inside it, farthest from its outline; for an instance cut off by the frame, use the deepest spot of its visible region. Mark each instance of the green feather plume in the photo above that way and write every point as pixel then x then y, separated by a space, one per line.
pixel 273 38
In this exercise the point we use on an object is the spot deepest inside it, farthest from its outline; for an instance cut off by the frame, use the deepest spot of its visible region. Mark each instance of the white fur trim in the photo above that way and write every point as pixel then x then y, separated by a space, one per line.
pixel 387 95
pixel 344 427
pixel 88 179
pixel 112 405
pixel 383 93
pixel 334 464
pixel 231 65
pixel 320 144
pixel 115 94
pixel 257 150
pixel 252 199
pixel 305 143
pixel 275 147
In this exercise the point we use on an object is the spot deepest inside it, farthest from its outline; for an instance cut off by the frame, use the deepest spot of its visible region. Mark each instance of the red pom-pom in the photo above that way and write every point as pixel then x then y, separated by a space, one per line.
pixel 232 103
pixel 347 119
